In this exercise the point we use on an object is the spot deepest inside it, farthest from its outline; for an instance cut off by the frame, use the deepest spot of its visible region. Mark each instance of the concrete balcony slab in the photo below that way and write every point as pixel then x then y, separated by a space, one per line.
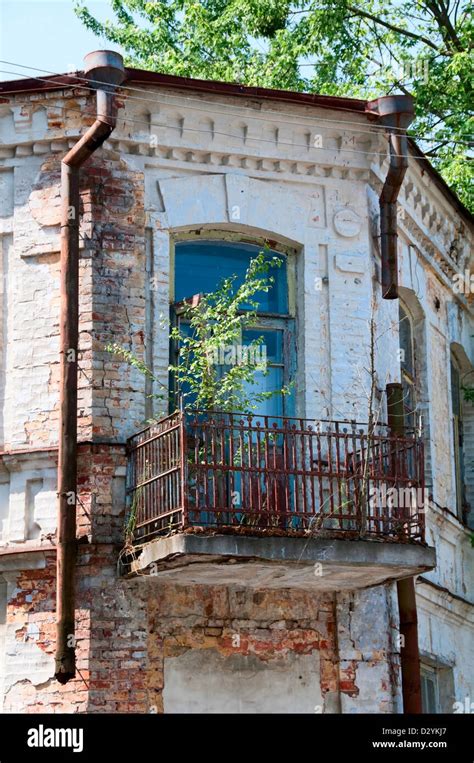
pixel 321 564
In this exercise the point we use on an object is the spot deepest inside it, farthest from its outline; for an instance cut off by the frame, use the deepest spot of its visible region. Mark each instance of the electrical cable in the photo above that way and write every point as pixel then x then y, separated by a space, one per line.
pixel 275 115
pixel 225 134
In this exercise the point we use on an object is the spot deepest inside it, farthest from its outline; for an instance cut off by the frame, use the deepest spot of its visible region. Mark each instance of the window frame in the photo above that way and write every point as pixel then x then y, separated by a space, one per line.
pixel 408 380
pixel 216 235
pixel 265 320
pixel 430 673
pixel 457 431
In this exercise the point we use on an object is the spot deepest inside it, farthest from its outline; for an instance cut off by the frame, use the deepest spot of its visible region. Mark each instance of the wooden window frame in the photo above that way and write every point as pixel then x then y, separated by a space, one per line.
pixel 265 320
pixel 409 379
pixel 458 444
pixel 428 672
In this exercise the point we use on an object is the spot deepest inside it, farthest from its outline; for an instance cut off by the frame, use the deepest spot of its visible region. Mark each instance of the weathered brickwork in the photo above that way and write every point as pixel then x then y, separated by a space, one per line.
pixel 101 492
pixel 129 631
pixel 140 641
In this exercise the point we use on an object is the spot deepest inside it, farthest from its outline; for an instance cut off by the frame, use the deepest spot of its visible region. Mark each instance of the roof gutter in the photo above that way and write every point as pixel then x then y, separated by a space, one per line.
pixel 12 88
pixel 396 112
pixel 105 67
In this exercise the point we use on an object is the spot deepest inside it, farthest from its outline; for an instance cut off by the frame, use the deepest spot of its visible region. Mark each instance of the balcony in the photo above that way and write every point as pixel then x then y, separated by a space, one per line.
pixel 219 497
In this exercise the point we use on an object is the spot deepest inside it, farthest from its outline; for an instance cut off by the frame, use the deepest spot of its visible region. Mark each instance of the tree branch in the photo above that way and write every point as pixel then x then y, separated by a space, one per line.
pixel 445 27
pixel 358 12
pixel 434 151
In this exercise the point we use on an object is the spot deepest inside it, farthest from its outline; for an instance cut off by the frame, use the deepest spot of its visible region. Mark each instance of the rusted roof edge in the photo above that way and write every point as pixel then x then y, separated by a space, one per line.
pixel 144 77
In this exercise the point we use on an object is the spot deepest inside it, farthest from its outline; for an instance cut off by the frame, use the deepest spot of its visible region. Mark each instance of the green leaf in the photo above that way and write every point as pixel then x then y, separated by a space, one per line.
pixel 359 48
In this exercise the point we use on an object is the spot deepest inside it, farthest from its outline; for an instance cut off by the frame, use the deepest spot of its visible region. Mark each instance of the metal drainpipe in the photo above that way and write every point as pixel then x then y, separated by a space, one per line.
pixel 396 112
pixel 105 67
pixel 409 652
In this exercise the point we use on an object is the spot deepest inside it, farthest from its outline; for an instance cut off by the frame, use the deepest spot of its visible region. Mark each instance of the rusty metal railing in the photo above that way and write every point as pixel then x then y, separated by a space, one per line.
pixel 292 476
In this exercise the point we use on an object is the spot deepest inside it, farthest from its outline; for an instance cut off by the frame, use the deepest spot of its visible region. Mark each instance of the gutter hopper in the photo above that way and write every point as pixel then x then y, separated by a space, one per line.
pixel 104 67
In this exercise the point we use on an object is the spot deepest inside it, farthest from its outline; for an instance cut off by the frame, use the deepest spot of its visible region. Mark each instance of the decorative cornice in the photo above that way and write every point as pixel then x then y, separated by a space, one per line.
pixel 159 131
pixel 440 596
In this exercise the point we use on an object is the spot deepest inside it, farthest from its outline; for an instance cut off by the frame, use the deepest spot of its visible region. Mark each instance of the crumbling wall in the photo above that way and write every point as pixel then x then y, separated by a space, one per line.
pixel 146 646
pixel 369 650
pixel 136 639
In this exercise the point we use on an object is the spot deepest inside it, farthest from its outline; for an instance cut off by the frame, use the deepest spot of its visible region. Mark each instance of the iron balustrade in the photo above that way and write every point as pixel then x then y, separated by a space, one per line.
pixel 232 471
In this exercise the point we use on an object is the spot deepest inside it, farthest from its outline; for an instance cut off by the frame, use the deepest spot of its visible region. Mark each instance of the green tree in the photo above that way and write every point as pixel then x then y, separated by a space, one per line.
pixel 359 48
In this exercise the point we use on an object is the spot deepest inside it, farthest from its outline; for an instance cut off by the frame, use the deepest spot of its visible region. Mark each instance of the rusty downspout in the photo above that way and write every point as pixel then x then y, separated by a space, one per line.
pixel 409 652
pixel 105 67
pixel 396 112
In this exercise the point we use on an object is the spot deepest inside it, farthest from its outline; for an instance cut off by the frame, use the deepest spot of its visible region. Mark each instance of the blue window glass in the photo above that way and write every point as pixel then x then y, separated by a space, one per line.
pixel 271 344
pixel 201 266
pixel 271 348
pixel 267 382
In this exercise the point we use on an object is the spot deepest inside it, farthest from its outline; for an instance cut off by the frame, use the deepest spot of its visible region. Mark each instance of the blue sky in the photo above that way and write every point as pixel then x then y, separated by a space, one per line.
pixel 46 34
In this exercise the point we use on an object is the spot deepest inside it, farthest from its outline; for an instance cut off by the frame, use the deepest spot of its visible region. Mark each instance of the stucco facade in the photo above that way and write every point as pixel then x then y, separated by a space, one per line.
pixel 185 165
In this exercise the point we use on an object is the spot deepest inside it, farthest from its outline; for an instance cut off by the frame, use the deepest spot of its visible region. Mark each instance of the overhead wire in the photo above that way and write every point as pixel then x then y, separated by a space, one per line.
pixel 277 116
pixel 149 124
pixel 274 142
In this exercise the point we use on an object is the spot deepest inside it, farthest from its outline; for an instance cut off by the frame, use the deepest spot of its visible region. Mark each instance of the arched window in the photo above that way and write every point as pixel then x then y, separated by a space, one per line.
pixel 201 266
pixel 407 364
pixel 458 437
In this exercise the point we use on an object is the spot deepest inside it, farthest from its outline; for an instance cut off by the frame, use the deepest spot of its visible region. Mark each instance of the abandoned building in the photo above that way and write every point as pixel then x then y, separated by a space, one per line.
pixel 272 565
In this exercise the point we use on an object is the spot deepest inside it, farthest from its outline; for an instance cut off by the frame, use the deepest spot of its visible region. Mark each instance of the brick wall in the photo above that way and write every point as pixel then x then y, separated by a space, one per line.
pixel 134 637
pixel 137 637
